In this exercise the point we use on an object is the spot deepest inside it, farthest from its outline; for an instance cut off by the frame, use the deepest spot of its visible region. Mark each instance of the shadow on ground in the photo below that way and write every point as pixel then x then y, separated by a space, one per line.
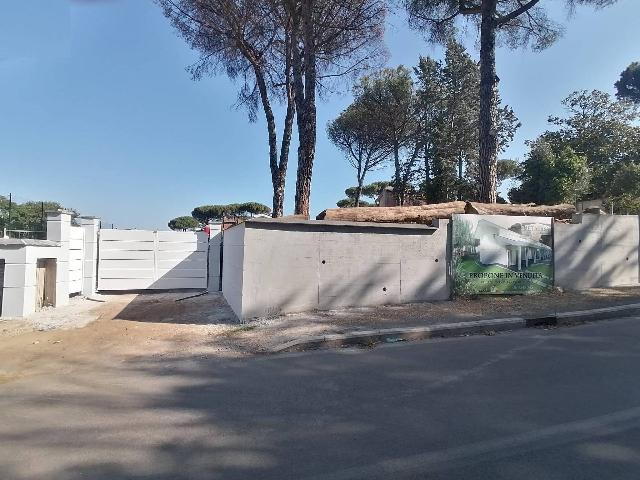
pixel 386 413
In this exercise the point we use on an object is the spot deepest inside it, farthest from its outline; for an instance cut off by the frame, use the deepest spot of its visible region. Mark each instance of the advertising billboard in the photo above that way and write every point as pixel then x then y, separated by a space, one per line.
pixel 497 254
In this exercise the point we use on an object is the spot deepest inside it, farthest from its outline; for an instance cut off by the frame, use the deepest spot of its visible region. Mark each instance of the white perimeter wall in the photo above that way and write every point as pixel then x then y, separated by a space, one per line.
pixel 76 259
pixel 19 293
pixel 143 259
pixel 269 271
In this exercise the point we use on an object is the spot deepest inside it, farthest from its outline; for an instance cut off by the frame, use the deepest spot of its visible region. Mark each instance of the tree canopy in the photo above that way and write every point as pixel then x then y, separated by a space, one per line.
pixel 516 22
pixel 25 216
pixel 183 223
pixel 282 51
pixel 551 174
pixel 358 136
pixel 624 191
pixel 602 129
pixel 205 213
pixel 427 124
pixel 370 191
pixel 629 84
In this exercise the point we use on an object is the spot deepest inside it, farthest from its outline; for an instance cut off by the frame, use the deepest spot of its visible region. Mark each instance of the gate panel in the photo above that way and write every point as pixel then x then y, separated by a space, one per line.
pixel 141 260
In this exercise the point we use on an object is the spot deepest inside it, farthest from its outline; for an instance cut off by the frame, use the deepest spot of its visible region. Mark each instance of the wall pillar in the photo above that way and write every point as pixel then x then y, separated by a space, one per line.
pixel 215 241
pixel 90 225
pixel 59 230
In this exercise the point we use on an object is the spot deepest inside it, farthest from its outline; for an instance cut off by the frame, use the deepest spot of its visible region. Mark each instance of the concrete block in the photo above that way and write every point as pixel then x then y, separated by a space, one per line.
pixel 58 226
pixel 423 280
pixel 62 294
pixel 90 250
pixel 88 286
pixel 17 275
pixel 13 253
pixel 620 230
pixel 619 265
pixel 32 254
pixel 14 302
pixel 76 233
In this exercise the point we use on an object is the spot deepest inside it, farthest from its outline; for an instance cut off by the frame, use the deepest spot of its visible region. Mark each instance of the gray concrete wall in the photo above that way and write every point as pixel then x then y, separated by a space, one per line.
pixel 279 267
pixel 597 251
pixel 290 267
pixel 233 267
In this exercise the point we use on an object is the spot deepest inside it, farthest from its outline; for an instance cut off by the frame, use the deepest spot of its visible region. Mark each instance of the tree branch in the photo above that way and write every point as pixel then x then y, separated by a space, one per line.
pixel 518 11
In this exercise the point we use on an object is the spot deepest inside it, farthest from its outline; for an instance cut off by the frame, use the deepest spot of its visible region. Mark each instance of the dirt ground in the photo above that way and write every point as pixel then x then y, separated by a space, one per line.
pixel 117 328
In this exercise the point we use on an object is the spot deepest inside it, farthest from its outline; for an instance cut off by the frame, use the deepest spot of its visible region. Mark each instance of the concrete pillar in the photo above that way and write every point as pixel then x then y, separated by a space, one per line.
pixel 215 240
pixel 519 257
pixel 214 228
pixel 58 230
pixel 91 225
pixel 526 257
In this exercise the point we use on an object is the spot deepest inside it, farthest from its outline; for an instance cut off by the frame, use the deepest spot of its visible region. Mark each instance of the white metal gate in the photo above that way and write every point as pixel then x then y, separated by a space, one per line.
pixel 144 259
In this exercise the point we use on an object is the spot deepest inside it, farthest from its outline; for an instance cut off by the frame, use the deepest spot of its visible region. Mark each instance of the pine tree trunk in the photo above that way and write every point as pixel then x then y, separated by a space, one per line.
pixel 397 183
pixel 306 121
pixel 278 200
pixel 488 103
pixel 278 174
pixel 360 176
pixel 358 194
pixel 279 185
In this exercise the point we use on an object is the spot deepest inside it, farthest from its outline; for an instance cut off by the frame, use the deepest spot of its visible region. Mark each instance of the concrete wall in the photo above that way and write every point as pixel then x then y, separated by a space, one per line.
pixel 279 267
pixel 597 251
pixel 233 267
pixel 73 248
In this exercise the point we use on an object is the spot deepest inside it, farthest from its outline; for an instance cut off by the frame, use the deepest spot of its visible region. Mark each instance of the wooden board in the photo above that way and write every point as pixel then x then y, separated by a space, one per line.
pixel 45 283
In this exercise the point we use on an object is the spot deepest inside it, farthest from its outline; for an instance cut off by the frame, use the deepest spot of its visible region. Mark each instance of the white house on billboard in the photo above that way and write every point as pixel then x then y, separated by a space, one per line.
pixel 499 245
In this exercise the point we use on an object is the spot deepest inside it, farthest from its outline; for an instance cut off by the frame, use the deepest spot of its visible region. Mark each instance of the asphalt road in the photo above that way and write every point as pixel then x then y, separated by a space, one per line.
pixel 533 404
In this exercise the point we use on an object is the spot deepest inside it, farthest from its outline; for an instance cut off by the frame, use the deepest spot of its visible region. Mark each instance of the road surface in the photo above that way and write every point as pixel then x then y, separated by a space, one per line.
pixel 533 404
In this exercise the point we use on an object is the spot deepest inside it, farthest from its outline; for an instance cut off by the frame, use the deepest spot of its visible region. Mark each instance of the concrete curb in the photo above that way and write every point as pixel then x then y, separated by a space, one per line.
pixel 443 330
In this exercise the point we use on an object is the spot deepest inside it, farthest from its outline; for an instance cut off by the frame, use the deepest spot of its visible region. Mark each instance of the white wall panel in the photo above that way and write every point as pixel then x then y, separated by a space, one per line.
pixel 126 245
pixel 140 235
pixel 126 255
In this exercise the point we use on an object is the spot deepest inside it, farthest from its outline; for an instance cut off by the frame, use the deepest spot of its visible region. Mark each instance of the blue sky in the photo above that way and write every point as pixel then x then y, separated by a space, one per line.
pixel 97 111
